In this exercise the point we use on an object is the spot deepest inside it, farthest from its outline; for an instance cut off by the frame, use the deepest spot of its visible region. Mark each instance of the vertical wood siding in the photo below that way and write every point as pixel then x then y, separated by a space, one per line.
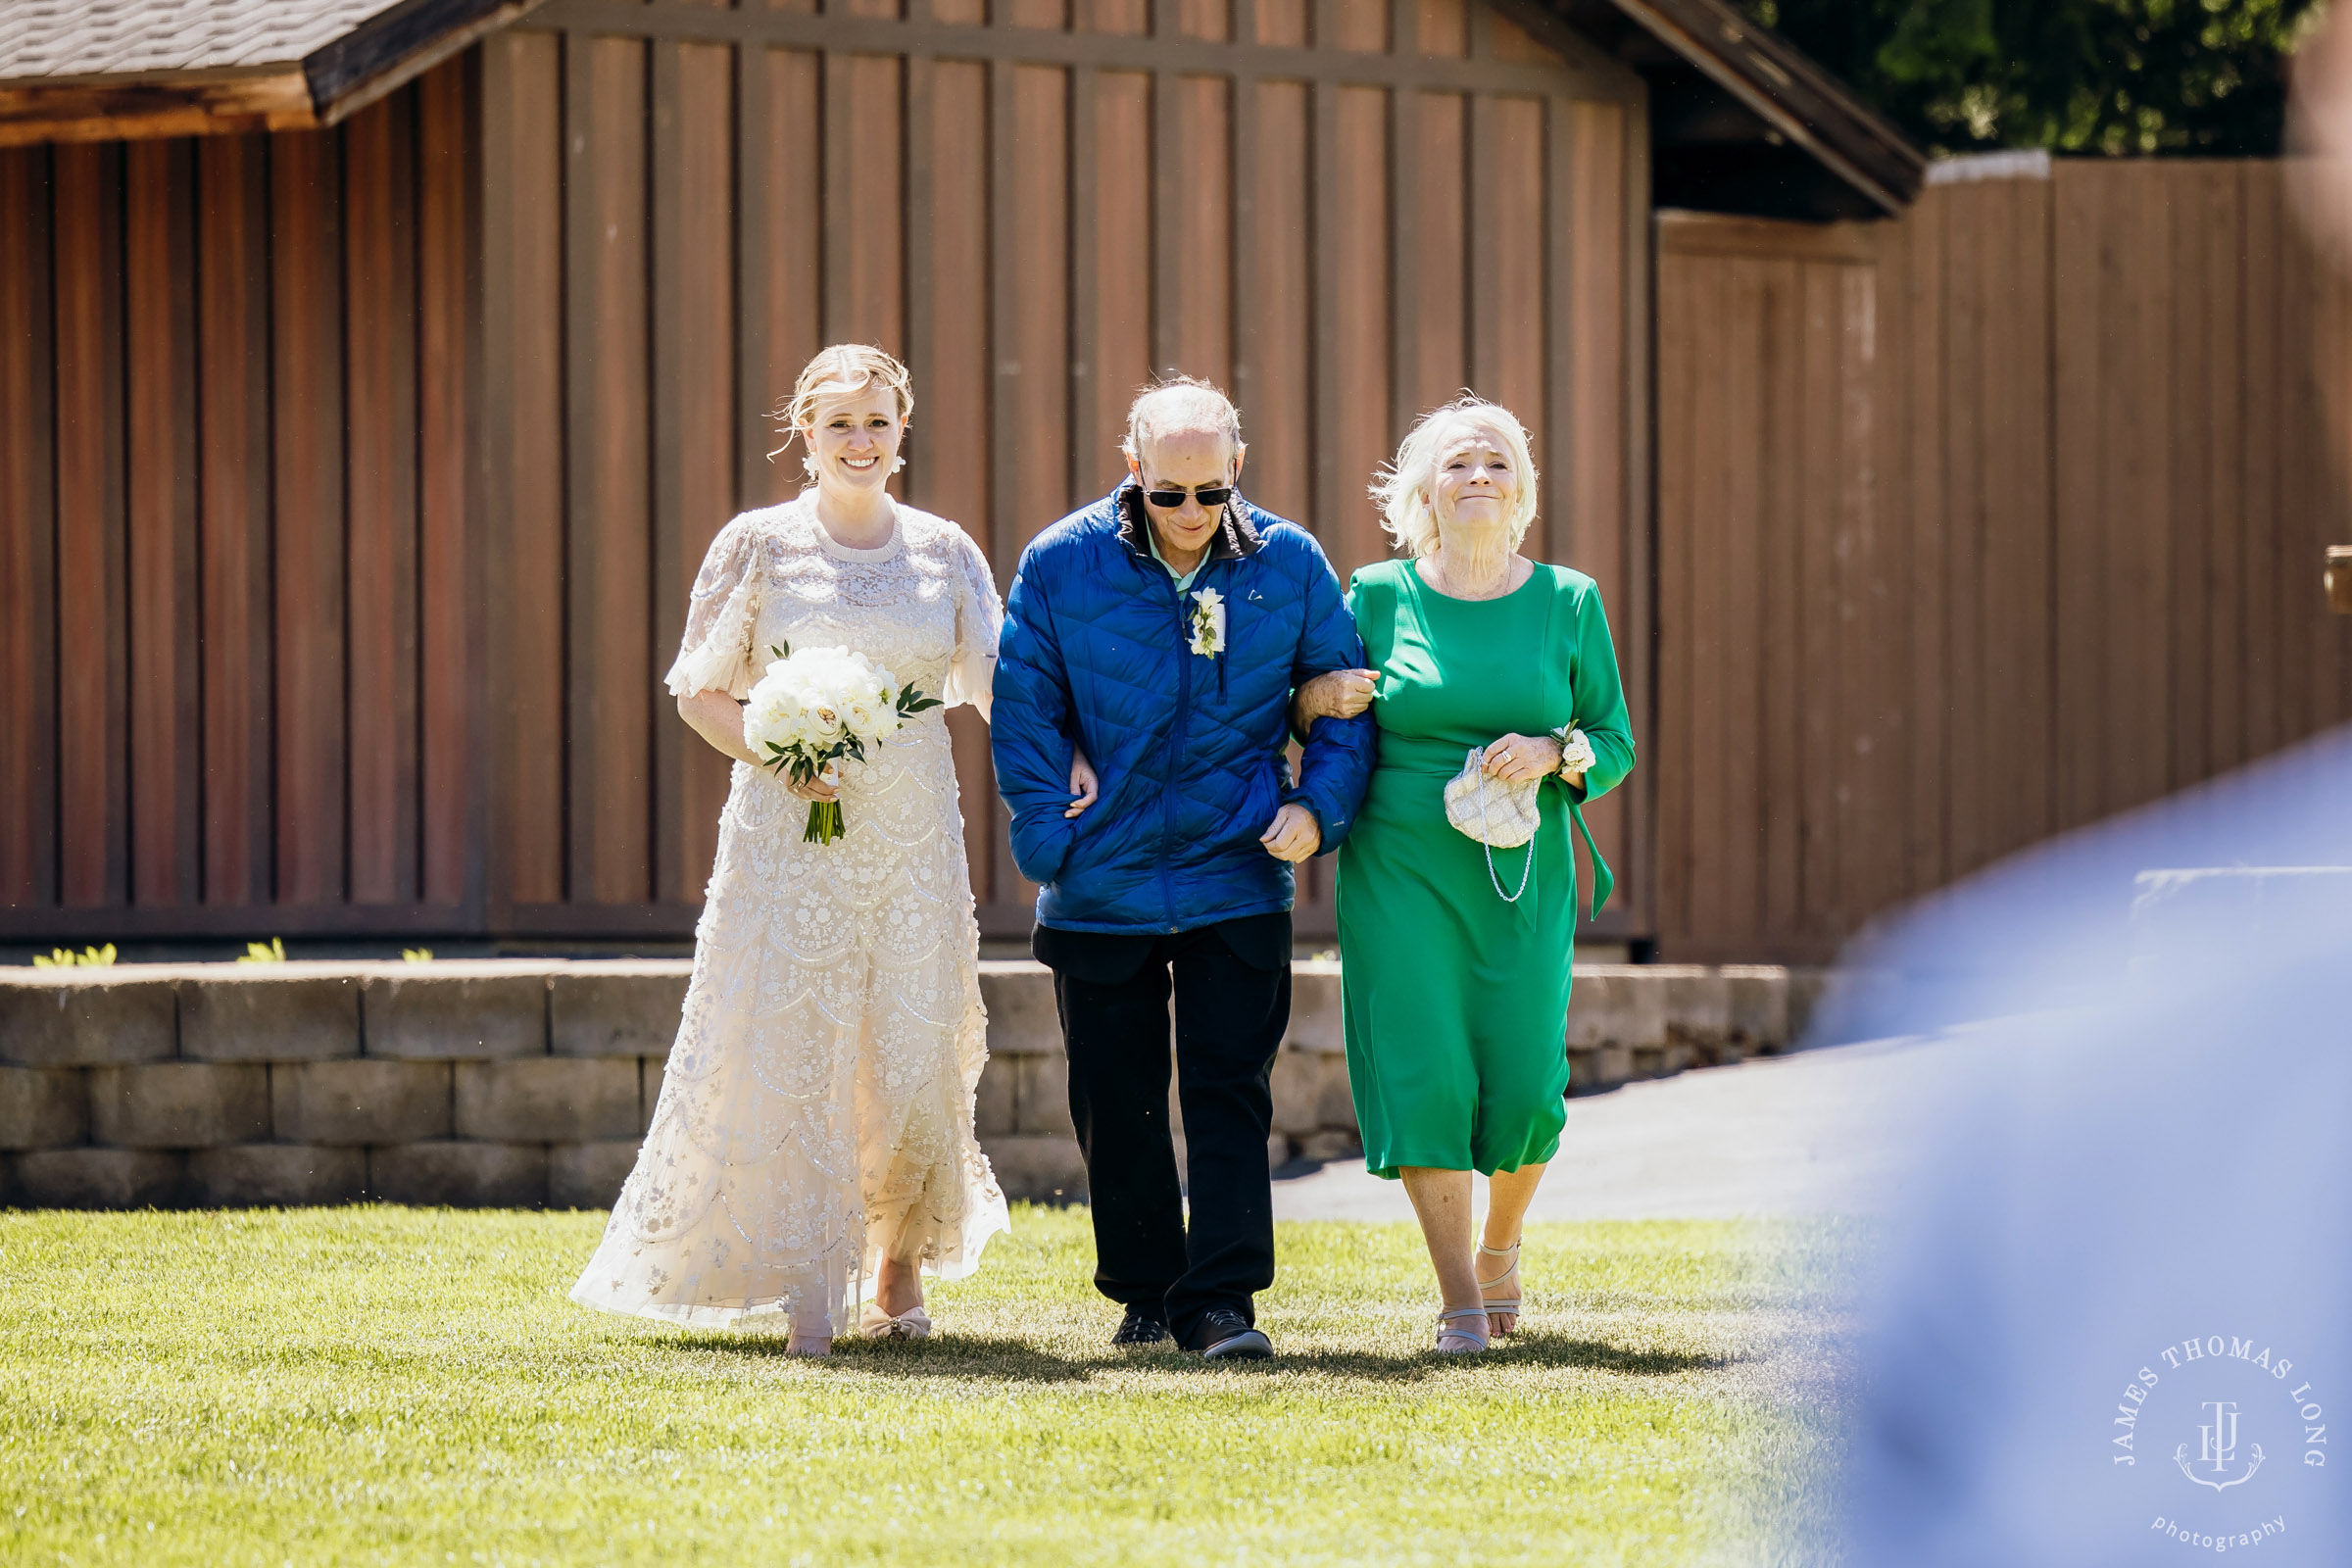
pixel 1975 527
pixel 1039 210
pixel 355 480
pixel 233 529
pixel 235 614
pixel 29 759
pixel 93 840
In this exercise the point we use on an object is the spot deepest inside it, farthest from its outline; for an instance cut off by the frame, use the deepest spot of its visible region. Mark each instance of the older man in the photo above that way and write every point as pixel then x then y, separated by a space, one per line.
pixel 1162 632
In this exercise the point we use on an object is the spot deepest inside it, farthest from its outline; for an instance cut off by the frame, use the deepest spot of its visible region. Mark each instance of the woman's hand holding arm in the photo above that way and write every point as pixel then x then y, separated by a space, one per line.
pixel 1336 693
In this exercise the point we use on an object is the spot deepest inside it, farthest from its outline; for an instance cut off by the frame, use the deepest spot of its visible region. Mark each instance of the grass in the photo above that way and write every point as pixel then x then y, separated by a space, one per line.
pixel 380 1384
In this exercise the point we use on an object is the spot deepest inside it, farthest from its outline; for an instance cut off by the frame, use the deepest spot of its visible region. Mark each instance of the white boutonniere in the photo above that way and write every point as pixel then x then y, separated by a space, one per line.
pixel 1208 622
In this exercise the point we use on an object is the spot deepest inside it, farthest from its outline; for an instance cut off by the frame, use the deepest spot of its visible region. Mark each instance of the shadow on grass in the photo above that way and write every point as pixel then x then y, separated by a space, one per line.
pixel 1021 1361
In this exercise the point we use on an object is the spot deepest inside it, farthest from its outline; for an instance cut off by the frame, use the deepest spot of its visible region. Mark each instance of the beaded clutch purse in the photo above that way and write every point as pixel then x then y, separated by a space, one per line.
pixel 1500 814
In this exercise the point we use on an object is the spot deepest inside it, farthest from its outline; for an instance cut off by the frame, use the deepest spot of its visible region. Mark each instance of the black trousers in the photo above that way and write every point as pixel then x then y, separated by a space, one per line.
pixel 1232 988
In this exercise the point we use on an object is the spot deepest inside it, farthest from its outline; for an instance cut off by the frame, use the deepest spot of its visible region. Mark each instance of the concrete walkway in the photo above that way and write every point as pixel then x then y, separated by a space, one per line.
pixel 1823 1131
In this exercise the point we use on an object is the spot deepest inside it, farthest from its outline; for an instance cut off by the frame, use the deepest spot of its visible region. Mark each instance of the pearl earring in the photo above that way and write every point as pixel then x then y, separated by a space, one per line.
pixel 809 466
pixel 899 467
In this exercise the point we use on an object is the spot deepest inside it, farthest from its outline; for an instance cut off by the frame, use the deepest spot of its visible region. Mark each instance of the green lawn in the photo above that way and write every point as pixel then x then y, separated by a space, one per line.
pixel 380 1384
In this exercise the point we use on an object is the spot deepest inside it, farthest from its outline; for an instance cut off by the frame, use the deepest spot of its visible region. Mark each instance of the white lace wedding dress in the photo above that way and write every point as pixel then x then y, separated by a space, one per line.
pixel 818 1104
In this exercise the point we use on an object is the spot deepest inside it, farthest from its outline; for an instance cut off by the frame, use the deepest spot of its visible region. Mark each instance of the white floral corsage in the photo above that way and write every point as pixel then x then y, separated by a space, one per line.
pixel 1207 621
pixel 1575 750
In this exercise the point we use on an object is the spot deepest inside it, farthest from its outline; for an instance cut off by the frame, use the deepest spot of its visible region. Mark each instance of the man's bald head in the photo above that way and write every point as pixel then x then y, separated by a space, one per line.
pixel 1182 406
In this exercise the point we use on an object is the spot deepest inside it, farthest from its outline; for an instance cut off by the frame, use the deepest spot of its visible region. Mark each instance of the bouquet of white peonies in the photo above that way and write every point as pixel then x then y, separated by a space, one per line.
pixel 817 705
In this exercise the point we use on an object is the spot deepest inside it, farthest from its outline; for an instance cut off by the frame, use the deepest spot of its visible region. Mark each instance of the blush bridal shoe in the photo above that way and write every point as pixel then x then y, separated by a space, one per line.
pixel 876 1324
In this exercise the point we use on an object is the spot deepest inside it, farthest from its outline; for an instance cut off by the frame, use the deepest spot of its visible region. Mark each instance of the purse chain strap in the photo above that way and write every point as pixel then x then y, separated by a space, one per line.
pixel 1523 869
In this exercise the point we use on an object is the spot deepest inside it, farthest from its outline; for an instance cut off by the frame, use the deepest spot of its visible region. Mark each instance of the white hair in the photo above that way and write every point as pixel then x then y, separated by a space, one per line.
pixel 1402 489
pixel 1181 404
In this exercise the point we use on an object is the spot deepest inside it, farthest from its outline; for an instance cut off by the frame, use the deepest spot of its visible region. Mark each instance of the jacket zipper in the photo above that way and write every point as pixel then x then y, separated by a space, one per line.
pixel 1167 799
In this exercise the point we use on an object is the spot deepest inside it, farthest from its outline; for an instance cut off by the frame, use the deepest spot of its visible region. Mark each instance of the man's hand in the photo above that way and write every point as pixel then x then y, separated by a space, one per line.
pixel 1085 787
pixel 1339 694
pixel 1294 834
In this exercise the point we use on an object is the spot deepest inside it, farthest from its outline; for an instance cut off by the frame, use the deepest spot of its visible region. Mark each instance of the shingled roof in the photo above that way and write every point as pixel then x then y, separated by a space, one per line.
pixel 65 39
pixel 96 70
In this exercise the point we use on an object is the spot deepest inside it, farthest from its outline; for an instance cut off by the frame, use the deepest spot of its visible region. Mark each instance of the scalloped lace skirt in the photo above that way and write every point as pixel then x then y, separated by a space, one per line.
pixel 816 1108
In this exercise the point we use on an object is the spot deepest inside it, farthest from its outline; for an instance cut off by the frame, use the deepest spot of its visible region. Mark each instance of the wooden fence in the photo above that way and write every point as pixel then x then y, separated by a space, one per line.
pixel 1975 527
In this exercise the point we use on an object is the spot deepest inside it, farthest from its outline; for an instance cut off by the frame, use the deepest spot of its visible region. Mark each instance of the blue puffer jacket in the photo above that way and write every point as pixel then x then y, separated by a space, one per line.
pixel 1190 748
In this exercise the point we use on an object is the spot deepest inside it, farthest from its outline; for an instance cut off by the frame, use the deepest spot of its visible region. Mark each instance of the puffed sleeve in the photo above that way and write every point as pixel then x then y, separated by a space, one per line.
pixel 979 622
pixel 715 654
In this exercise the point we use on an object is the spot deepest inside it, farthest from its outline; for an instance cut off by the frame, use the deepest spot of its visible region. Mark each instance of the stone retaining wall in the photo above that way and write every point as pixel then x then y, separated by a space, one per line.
pixel 524 1083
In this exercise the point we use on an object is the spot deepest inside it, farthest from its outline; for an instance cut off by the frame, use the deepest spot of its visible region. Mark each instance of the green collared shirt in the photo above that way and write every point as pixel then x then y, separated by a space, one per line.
pixel 1184 580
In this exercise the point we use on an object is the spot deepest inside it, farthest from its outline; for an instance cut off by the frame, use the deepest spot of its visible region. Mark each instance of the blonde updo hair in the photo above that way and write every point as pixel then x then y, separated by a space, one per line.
pixel 841 370
pixel 1402 490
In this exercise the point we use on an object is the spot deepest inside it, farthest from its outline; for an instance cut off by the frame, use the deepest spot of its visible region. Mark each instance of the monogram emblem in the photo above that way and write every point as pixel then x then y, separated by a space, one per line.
pixel 2216 1449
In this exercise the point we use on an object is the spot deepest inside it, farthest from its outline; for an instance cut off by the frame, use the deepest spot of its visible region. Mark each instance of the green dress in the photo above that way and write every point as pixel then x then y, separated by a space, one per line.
pixel 1454 1002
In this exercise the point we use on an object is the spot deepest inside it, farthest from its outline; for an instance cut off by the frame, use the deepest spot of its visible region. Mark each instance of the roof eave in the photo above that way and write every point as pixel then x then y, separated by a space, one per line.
pixel 1791 94
pixel 381 55
pixel 394 48
pixel 275 97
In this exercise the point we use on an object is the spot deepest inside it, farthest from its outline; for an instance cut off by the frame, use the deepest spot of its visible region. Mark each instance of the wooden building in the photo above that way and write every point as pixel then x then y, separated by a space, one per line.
pixel 372 379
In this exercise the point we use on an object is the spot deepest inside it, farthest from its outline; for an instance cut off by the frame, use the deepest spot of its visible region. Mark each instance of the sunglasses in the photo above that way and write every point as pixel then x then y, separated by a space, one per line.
pixel 1169 497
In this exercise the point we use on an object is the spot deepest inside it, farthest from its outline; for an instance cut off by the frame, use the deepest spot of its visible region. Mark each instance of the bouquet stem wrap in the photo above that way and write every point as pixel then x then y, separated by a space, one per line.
pixel 815 706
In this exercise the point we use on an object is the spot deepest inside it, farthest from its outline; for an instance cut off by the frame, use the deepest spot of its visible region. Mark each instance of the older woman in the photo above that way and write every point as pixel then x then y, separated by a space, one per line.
pixel 1456 958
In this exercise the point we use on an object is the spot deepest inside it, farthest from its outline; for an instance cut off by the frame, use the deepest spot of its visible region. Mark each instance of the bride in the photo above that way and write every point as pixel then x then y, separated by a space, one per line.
pixel 812 1149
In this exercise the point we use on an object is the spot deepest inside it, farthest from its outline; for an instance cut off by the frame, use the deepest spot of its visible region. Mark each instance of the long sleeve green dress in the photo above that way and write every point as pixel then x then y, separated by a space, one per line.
pixel 1454 1002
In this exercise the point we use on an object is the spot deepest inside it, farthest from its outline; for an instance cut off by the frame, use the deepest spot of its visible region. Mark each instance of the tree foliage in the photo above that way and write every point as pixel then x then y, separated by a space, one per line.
pixel 2117 77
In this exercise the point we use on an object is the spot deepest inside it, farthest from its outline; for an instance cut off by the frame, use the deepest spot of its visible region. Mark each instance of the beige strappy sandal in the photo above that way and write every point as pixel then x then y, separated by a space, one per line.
pixel 1498 1306
pixel 1467 1342
pixel 875 1324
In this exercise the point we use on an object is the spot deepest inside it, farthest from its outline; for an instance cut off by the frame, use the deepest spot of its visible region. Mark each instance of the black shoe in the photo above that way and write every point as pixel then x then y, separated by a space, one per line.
pixel 1226 1336
pixel 1141 1327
